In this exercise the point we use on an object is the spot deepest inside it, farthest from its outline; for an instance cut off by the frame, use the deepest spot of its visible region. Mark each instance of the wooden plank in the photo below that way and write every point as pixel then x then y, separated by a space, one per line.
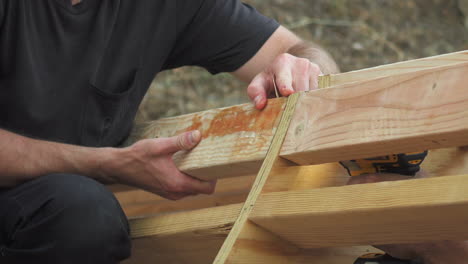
pixel 270 161
pixel 409 211
pixel 439 162
pixel 306 177
pixel 409 112
pixel 449 59
pixel 449 161
pixel 256 245
pixel 183 237
pixel 137 203
pixel 235 139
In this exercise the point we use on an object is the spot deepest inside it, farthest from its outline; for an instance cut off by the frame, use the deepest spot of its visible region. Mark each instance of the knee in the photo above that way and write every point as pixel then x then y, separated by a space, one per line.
pixel 84 215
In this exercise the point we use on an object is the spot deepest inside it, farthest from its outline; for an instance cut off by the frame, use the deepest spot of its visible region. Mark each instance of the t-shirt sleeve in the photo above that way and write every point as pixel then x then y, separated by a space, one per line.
pixel 219 35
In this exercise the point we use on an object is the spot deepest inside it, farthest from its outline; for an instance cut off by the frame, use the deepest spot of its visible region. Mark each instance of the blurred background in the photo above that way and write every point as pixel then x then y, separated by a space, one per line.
pixel 358 33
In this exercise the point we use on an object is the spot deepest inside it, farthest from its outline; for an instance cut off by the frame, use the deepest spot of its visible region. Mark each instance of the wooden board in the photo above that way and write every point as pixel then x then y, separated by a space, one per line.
pixel 379 213
pixel 256 245
pixel 235 139
pixel 394 69
pixel 137 203
pixel 183 237
pixel 271 161
pixel 409 112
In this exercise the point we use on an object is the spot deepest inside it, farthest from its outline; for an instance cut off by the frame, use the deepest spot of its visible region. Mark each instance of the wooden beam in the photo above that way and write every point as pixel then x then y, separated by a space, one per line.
pixel 271 161
pixel 138 203
pixel 449 59
pixel 256 245
pixel 183 237
pixel 235 139
pixel 408 112
pixel 409 211
pixel 293 178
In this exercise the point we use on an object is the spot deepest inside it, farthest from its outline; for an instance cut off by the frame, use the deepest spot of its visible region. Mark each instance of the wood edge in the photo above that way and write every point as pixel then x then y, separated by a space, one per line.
pixel 271 158
pixel 177 223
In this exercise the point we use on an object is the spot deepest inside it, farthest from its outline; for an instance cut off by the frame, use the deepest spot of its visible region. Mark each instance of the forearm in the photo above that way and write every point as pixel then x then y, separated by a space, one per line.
pixel 23 159
pixel 315 54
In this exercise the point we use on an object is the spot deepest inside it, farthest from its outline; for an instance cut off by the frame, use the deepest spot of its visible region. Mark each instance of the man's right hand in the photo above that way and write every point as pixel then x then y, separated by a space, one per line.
pixel 148 164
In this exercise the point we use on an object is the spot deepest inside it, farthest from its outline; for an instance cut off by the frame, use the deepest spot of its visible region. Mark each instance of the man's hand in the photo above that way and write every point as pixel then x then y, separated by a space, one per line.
pixel 287 61
pixel 148 165
pixel 288 74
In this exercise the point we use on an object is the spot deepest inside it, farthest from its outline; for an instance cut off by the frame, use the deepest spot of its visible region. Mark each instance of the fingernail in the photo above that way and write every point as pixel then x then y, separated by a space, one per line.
pixel 258 100
pixel 195 137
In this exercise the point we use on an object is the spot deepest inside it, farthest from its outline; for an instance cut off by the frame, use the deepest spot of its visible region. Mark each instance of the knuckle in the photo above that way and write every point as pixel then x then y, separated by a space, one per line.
pixel 283 58
pixel 304 62
pixel 251 87
pixel 304 67
pixel 314 68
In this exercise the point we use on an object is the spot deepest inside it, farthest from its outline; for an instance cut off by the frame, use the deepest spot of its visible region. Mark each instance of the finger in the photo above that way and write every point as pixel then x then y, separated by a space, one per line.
pixel 184 141
pixel 284 80
pixel 282 72
pixel 194 185
pixel 302 74
pixel 258 90
pixel 314 73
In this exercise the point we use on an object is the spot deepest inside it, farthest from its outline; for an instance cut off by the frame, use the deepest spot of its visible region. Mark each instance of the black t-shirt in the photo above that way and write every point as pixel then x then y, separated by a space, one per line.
pixel 77 74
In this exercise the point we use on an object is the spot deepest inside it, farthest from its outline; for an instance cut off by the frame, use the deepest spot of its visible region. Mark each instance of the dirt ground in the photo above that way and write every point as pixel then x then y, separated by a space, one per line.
pixel 358 33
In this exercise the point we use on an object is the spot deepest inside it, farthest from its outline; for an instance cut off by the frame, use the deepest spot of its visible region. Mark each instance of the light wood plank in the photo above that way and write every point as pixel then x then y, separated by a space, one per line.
pixel 294 178
pixel 379 213
pixel 449 59
pixel 256 245
pixel 184 237
pixel 136 203
pixel 270 161
pixel 449 161
pixel 235 139
pixel 409 112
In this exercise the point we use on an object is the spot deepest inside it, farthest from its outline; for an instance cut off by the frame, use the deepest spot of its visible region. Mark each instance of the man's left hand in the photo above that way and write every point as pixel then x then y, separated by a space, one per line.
pixel 289 74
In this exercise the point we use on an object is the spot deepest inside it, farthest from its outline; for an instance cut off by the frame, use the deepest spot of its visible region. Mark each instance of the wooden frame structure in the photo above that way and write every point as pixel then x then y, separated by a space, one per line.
pixel 282 198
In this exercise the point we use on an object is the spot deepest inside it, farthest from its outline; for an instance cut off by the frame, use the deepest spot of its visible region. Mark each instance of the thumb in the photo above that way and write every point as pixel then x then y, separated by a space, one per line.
pixel 184 141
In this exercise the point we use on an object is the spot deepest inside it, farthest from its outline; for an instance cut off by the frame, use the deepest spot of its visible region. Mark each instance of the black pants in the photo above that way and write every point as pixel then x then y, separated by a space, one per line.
pixel 63 219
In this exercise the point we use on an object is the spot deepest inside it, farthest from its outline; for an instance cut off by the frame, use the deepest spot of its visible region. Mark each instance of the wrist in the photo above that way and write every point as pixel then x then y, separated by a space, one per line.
pixel 103 164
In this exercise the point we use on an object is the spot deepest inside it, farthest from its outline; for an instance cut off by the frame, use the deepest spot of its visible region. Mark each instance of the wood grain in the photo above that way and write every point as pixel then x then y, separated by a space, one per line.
pixel 137 203
pixel 378 213
pixel 256 245
pixel 408 112
pixel 271 160
pixel 235 139
pixel 183 237
pixel 449 59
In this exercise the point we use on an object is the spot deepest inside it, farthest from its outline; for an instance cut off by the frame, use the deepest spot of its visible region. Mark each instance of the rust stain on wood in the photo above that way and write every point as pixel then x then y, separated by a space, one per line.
pixel 238 119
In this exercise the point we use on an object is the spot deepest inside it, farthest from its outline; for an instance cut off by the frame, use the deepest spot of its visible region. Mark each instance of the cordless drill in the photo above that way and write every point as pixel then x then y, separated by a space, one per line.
pixel 405 164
